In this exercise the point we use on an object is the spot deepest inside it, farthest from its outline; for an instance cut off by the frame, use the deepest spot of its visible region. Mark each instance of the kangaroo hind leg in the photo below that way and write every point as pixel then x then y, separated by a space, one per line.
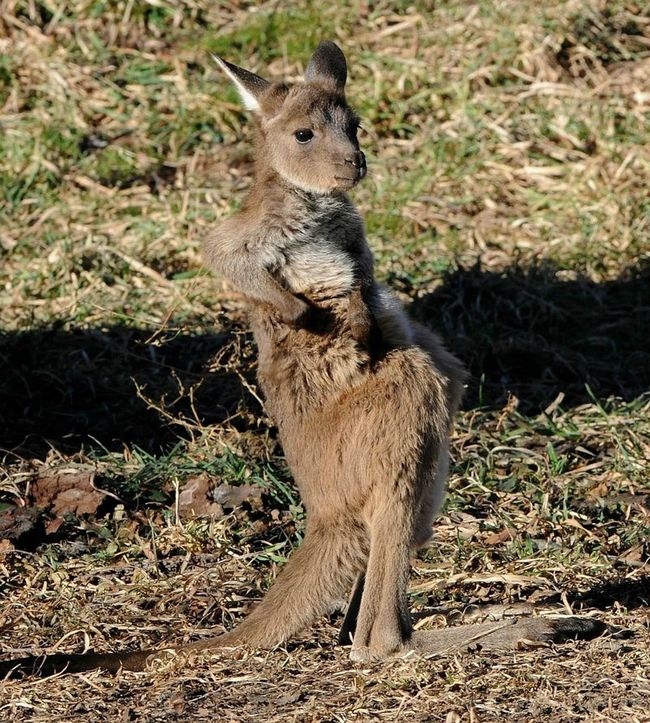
pixel 383 623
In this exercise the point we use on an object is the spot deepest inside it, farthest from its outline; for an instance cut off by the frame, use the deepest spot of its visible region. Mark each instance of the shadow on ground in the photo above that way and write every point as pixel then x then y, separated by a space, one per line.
pixel 530 333
pixel 626 593
pixel 93 387
pixel 526 332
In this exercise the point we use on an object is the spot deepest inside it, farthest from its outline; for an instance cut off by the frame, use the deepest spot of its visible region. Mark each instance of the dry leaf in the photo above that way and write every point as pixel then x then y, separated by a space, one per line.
pixel 196 499
pixel 67 492
pixel 496 538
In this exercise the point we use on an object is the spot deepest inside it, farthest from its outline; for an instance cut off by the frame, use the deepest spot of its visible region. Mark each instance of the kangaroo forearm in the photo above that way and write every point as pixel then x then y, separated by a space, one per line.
pixel 257 283
pixel 249 276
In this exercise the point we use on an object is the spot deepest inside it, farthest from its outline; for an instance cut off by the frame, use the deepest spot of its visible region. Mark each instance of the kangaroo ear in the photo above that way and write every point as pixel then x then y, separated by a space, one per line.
pixel 327 64
pixel 249 86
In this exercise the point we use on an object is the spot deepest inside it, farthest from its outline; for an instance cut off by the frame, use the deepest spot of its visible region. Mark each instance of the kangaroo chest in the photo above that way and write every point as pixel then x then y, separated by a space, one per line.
pixel 318 270
pixel 317 250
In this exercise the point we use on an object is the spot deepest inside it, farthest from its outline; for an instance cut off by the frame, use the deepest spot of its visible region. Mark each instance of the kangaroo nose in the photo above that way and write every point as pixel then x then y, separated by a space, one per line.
pixel 358 160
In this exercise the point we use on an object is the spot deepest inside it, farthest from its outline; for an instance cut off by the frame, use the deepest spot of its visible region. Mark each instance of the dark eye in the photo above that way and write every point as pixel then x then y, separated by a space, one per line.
pixel 304 135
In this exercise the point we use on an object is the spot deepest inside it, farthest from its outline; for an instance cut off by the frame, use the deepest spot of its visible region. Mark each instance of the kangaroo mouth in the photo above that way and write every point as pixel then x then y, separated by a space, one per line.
pixel 345 184
pixel 352 179
pixel 352 171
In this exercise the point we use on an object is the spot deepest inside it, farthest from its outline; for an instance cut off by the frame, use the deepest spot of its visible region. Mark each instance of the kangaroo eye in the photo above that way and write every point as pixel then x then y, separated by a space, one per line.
pixel 304 135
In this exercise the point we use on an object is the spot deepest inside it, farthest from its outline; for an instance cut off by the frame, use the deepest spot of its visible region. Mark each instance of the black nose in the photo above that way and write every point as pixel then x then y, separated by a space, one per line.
pixel 358 160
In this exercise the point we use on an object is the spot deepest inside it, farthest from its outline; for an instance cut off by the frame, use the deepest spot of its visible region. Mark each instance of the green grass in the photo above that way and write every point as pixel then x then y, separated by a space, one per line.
pixel 509 159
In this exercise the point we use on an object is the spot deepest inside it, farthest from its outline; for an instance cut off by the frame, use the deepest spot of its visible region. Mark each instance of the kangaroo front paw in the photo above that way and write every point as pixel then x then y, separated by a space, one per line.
pixel 359 317
pixel 297 313
pixel 363 325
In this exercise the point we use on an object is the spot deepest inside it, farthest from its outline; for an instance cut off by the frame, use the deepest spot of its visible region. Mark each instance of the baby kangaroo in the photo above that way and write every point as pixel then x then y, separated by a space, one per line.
pixel 362 396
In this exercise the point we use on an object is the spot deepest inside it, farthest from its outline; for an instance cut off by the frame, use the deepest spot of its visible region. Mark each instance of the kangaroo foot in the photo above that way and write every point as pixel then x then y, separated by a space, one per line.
pixel 507 634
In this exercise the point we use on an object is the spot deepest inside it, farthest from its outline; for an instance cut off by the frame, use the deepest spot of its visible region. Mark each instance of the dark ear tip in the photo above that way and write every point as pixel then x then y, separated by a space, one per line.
pixel 219 61
pixel 223 63
pixel 330 45
pixel 327 64
pixel 331 49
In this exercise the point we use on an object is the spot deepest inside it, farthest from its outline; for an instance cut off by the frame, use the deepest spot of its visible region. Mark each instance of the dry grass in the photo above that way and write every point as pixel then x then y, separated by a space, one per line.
pixel 507 201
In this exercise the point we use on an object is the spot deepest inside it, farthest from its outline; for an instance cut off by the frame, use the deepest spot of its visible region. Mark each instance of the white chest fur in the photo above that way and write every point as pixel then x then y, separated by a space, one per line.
pixel 316 251
pixel 317 267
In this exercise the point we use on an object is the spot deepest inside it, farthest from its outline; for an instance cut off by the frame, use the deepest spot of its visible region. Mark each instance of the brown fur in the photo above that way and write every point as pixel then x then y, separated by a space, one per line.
pixel 364 426
pixel 363 397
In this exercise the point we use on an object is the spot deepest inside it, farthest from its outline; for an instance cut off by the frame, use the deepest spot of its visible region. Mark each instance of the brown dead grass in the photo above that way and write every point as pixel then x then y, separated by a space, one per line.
pixel 507 201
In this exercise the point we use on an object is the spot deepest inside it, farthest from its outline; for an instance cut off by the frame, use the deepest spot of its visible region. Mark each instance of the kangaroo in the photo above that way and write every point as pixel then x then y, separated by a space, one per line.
pixel 363 397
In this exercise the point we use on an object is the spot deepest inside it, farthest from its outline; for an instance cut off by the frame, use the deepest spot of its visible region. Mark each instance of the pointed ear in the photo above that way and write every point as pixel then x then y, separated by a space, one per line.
pixel 249 86
pixel 327 64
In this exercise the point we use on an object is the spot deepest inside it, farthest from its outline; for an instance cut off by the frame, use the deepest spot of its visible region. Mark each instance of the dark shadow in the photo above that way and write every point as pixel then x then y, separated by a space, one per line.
pixel 72 389
pixel 521 331
pixel 630 594
pixel 530 333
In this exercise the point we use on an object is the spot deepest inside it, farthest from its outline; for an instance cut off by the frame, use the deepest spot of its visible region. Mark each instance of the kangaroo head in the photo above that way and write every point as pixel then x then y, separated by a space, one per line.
pixel 308 132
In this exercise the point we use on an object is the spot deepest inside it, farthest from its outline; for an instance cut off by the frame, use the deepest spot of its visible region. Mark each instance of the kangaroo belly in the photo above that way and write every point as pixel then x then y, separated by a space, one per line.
pixel 349 422
pixel 301 371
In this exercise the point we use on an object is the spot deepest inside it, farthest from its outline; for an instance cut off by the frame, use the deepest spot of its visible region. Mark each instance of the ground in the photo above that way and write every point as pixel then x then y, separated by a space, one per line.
pixel 143 492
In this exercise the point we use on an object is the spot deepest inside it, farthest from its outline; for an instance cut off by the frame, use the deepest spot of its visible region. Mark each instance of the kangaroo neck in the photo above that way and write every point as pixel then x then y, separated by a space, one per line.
pixel 272 196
